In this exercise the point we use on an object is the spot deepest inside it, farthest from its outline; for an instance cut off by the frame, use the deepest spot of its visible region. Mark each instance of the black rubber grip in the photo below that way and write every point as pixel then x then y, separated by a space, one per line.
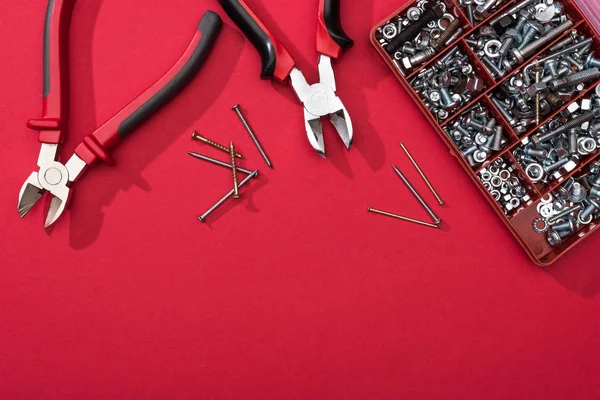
pixel 259 38
pixel 333 22
pixel 46 56
pixel 209 26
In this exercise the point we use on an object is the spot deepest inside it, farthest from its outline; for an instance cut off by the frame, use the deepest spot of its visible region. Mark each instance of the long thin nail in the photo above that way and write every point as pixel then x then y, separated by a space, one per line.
pixel 400 217
pixel 429 185
pixel 238 111
pixel 236 192
pixel 436 220
pixel 217 162
pixel 203 217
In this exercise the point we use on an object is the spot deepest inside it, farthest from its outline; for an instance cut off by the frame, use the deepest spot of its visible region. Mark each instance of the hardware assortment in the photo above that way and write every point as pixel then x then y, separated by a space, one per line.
pixel 508 41
pixel 506 186
pixel 563 143
pixel 448 84
pixel 477 134
pixel 546 84
pixel 436 220
pixel 57 178
pixel 571 209
pixel 529 121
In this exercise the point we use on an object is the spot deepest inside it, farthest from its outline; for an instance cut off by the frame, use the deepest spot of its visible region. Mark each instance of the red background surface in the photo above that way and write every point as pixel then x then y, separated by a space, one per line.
pixel 294 291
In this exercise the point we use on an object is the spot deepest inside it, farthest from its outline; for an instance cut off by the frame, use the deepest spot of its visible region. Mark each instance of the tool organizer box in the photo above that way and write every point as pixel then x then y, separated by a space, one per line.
pixel 520 221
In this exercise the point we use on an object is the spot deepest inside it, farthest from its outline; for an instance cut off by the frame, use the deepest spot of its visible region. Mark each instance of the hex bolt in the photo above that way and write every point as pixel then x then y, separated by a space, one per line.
pixel 548 169
pixel 498 137
pixel 534 29
pixel 564 213
pixel 576 122
pixel 531 48
pixel 411 31
pixel 493 67
pixel 511 120
pixel 537 153
pixel 570 225
pixel 418 58
pixel 410 187
pixel 238 111
pixel 511 35
pixel 573 135
pixel 590 209
pixel 573 80
pixel 203 217
pixel 451 29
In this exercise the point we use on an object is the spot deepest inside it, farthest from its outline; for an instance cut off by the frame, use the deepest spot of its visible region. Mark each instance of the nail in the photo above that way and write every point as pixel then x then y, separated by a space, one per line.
pixel 203 217
pixel 200 138
pixel 400 217
pixel 436 220
pixel 429 185
pixel 238 111
pixel 236 192
pixel 217 162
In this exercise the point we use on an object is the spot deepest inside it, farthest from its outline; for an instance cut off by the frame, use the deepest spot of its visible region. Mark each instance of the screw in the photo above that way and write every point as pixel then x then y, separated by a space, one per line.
pixel 203 217
pixel 436 220
pixel 570 225
pixel 589 210
pixel 413 29
pixel 447 34
pixel 497 139
pixel 198 137
pixel 238 111
pixel 236 192
pixel 576 122
pixel 573 80
pixel 217 162
pixel 400 217
pixel 429 185
pixel 534 29
pixel 564 213
pixel 509 118
pixel 531 48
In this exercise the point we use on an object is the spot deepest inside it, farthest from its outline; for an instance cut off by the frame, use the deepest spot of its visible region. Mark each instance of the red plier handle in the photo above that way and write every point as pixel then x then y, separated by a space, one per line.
pixel 331 38
pixel 97 145
pixel 52 124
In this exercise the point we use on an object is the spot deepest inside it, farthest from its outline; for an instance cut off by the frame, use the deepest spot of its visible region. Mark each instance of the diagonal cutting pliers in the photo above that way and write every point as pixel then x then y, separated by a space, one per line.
pixel 55 177
pixel 320 99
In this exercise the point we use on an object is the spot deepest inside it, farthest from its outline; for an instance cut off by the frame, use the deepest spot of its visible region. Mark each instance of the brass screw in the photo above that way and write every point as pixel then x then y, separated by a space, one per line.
pixel 400 217
pixel 198 137
pixel 236 192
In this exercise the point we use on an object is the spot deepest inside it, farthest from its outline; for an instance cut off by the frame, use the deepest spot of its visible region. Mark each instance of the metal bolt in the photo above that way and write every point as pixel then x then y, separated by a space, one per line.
pixel 573 80
pixel 238 111
pixel 531 48
pixel 590 209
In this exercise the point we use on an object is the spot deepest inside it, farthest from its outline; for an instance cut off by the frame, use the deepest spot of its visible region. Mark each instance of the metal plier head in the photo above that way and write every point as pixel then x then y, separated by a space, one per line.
pixel 320 99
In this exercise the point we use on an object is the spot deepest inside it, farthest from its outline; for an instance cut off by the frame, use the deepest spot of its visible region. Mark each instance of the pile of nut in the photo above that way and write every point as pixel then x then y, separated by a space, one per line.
pixel 549 82
pixel 424 31
pixel 502 181
pixel 563 143
pixel 569 208
pixel 478 10
pixel 448 84
pixel 477 134
pixel 519 33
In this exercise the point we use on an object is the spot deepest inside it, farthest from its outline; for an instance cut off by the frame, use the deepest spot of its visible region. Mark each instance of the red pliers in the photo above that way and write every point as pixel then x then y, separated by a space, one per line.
pixel 320 99
pixel 56 177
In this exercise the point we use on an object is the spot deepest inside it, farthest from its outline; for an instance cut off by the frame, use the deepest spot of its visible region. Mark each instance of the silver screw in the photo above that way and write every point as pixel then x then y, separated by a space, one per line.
pixel 238 111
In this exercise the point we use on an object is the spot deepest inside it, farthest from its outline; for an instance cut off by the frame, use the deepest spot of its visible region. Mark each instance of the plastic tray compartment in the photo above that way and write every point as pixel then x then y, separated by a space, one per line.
pixel 502 166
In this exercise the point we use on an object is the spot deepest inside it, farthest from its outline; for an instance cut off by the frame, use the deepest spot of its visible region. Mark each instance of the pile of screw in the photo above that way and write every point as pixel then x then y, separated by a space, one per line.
pixel 563 143
pixel 478 10
pixel 569 208
pixel 230 150
pixel 502 181
pixel 514 36
pixel 477 134
pixel 415 38
pixel 549 82
pixel 448 84
pixel 436 221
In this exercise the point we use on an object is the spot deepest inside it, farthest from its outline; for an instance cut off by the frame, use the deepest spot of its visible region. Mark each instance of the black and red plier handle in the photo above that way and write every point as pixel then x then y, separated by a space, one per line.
pixel 277 63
